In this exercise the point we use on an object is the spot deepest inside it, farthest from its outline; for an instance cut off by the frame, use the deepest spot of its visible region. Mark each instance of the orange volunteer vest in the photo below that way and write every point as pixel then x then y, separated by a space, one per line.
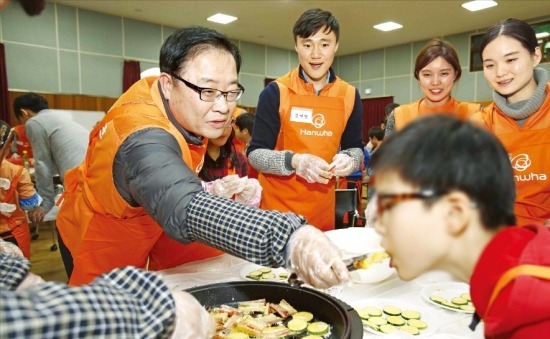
pixel 98 226
pixel 22 142
pixel 16 223
pixel 528 148
pixel 404 114
pixel 311 124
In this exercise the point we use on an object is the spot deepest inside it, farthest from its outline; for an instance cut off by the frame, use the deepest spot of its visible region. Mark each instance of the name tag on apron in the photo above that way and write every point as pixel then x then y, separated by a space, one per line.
pixel 298 114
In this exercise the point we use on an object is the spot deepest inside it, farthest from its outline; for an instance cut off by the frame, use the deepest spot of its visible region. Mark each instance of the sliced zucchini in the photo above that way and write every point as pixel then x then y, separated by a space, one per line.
pixel 451 305
pixel 417 323
pixel 371 324
pixel 466 296
pixel 388 328
pixel 255 275
pixel 373 311
pixel 312 337
pixel 459 301
pixel 307 316
pixel 395 320
pixel 363 314
pixel 378 321
pixel 318 328
pixel 410 329
pixel 437 299
pixel 410 314
pixel 268 276
pixel 467 308
pixel 283 275
pixel 297 325
pixel 392 310
pixel 265 270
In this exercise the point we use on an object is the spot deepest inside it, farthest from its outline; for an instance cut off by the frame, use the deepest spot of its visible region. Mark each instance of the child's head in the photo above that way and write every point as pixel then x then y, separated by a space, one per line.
pixel 6 136
pixel 244 126
pixel 375 134
pixel 433 179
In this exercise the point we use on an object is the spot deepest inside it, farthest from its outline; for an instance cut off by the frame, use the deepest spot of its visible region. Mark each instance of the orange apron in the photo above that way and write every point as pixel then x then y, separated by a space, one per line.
pixel 98 226
pixel 528 148
pixel 328 115
pixel 404 114
pixel 239 144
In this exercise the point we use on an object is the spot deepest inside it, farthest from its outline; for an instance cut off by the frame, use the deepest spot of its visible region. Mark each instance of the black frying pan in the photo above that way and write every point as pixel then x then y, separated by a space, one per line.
pixel 345 322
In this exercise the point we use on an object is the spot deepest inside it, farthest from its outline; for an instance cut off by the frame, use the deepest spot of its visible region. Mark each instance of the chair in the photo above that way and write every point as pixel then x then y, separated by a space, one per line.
pixel 346 214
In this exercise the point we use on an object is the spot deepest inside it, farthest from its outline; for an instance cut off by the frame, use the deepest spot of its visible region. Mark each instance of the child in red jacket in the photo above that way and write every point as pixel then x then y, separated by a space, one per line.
pixel 445 201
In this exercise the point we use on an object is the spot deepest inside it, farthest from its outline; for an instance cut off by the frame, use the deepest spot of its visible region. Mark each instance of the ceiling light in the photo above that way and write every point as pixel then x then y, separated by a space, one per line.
pixel 478 5
pixel 542 35
pixel 222 18
pixel 388 26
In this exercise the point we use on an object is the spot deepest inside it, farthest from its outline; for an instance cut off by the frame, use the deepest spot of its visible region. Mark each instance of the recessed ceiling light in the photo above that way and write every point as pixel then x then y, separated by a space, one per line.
pixel 388 26
pixel 542 35
pixel 478 5
pixel 222 18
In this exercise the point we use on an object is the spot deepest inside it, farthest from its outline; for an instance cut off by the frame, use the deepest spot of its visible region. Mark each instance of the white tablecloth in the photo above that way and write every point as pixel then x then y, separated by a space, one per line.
pixel 227 268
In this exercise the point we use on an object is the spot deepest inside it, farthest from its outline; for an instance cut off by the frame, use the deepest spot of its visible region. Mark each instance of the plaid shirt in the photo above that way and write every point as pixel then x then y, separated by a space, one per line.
pixel 125 303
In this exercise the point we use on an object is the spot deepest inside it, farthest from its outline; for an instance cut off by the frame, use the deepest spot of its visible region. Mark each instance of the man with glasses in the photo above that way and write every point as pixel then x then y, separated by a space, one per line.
pixel 138 179
pixel 319 114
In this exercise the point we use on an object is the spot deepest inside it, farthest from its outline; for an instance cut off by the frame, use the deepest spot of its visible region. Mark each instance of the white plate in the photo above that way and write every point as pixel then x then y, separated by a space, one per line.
pixel 375 273
pixel 446 290
pixel 354 241
pixel 425 316
pixel 253 267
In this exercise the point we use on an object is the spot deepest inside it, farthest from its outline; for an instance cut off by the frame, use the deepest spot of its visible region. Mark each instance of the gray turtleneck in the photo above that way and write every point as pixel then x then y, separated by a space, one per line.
pixel 521 110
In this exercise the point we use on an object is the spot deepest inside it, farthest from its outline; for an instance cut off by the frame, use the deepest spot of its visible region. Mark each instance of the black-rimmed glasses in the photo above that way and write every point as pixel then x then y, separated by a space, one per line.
pixel 385 201
pixel 211 94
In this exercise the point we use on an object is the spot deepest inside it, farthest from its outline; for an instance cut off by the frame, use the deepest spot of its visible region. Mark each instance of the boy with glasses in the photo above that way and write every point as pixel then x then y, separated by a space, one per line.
pixel 445 201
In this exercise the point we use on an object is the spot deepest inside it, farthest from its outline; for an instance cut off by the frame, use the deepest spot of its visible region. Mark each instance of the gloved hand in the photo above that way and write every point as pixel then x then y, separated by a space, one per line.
pixel 251 193
pixel 7 209
pixel 312 168
pixel 370 211
pixel 192 319
pixel 342 165
pixel 10 249
pixel 30 280
pixel 315 259
pixel 36 215
pixel 226 186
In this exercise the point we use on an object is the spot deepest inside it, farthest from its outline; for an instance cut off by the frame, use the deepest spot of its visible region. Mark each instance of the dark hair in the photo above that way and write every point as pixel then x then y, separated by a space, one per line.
pixel 186 43
pixel 434 49
pixel 5 129
pixel 376 132
pixel 30 101
pixel 312 20
pixel 390 107
pixel 442 153
pixel 245 120
pixel 512 28
pixel 228 150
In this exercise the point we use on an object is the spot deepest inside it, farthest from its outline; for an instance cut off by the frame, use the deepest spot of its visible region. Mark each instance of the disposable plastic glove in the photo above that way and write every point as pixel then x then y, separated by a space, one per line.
pixel 226 186
pixel 315 259
pixel 313 169
pixel 30 280
pixel 342 165
pixel 192 319
pixel 370 211
pixel 7 209
pixel 10 249
pixel 251 194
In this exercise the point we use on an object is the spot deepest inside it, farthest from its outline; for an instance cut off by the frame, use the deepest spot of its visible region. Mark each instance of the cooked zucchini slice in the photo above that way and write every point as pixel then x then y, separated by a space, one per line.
pixel 378 321
pixel 371 324
pixel 395 320
pixel 410 314
pixel 318 328
pixel 466 296
pixel 417 323
pixel 237 335
pixel 373 311
pixel 388 328
pixel 459 301
pixel 410 329
pixel 451 305
pixel 312 337
pixel 392 310
pixel 297 325
pixel 467 308
pixel 307 316
pixel 256 275
pixel 362 313
pixel 265 270
pixel 437 299
pixel 283 275
pixel 268 276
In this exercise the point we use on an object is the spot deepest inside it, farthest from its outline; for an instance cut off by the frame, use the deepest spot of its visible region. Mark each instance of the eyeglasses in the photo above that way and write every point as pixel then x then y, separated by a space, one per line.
pixel 211 94
pixel 385 201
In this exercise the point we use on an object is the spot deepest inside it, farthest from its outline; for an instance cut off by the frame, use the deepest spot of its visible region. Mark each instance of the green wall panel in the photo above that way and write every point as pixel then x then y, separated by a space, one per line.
pixel 253 58
pixel 37 30
pixel 141 39
pixel 278 63
pixel 32 68
pixel 372 64
pixel 67 27
pixel 100 33
pixel 253 84
pixel 69 71
pixel 101 75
